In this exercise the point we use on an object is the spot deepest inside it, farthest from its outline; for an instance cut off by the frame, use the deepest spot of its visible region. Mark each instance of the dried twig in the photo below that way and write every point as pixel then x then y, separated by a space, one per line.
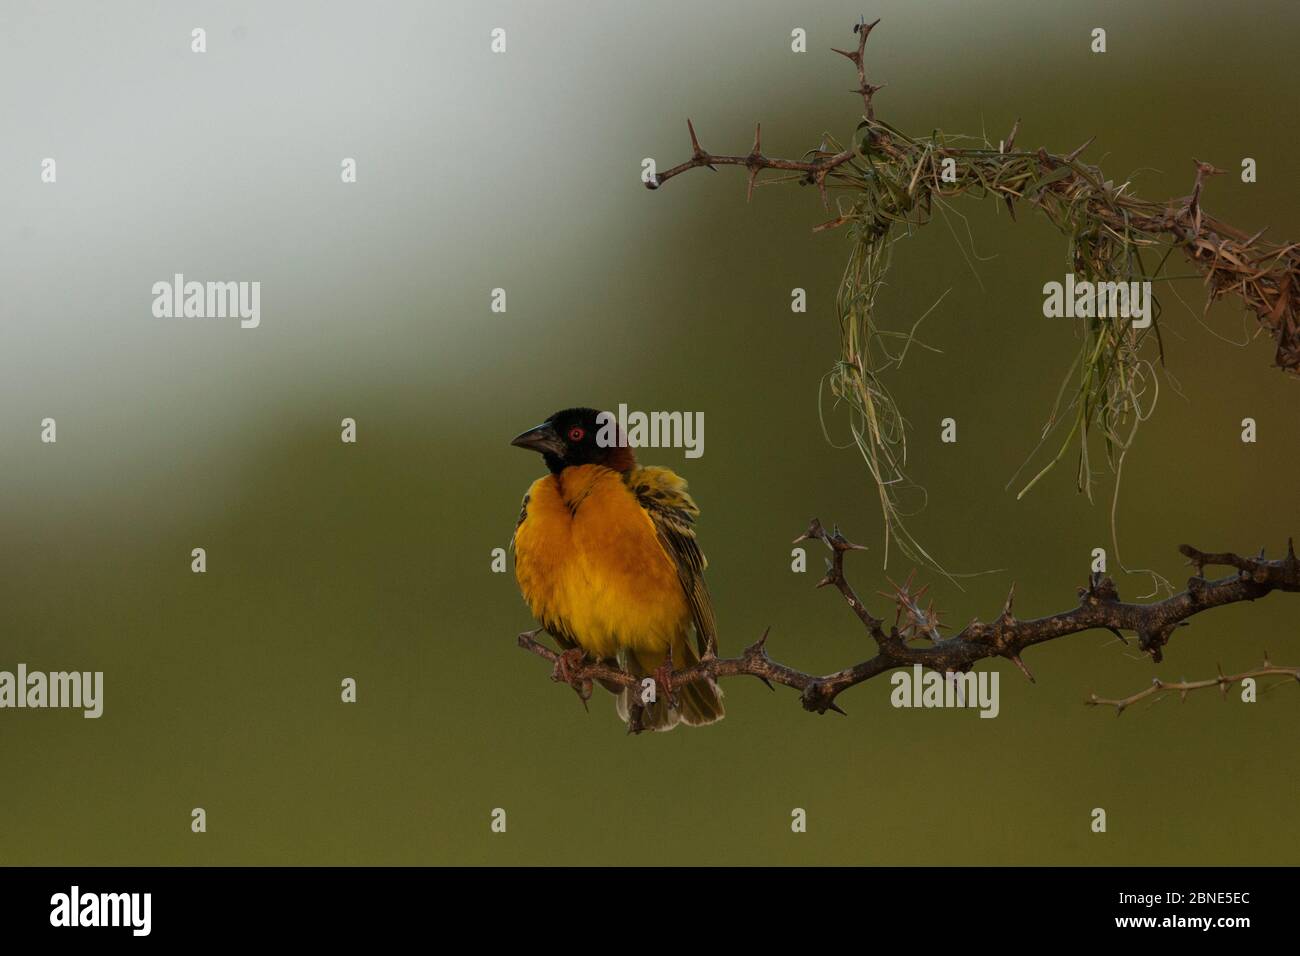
pixel 1005 636
pixel 1223 682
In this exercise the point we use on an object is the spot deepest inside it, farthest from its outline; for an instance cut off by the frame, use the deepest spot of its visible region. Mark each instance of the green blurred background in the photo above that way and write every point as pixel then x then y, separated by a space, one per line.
pixel 372 561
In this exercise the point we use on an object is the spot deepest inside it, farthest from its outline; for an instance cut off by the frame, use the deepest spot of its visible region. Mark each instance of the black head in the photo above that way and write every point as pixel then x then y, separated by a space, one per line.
pixel 578 436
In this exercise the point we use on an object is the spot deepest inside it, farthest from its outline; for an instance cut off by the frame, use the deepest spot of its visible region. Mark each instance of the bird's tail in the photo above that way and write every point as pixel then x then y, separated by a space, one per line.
pixel 698 703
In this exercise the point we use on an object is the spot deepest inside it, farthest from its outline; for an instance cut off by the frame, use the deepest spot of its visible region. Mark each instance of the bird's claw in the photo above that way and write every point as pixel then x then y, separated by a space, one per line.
pixel 566 664
pixel 663 678
pixel 568 670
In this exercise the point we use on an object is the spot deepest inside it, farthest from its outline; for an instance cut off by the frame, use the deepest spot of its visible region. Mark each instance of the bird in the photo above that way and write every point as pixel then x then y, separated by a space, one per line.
pixel 607 561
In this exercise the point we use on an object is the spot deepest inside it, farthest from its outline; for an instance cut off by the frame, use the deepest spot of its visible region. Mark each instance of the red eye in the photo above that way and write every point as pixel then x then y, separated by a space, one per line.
pixel 576 434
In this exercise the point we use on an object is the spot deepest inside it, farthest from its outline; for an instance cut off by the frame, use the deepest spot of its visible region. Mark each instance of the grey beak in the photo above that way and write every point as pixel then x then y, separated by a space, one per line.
pixel 542 439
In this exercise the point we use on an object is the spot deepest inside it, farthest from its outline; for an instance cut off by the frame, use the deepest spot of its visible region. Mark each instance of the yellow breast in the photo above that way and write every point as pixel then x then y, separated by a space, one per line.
pixel 590 565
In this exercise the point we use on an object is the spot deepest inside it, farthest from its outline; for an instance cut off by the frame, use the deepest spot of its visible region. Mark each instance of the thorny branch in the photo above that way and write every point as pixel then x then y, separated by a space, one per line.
pixel 815 171
pixel 914 638
pixel 1266 276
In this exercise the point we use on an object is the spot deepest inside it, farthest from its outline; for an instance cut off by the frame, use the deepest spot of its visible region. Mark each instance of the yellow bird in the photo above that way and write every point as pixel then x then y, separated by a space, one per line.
pixel 606 558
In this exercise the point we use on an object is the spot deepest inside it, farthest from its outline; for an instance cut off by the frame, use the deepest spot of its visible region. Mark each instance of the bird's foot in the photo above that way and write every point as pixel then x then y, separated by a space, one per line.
pixel 663 678
pixel 566 664
pixel 568 670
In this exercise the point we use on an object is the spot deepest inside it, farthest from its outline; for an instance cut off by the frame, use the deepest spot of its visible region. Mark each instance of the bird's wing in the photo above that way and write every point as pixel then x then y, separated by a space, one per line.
pixel 663 495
